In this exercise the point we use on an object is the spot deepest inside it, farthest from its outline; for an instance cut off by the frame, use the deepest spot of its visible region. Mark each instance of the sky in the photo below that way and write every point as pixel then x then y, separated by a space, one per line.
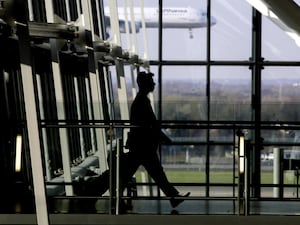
pixel 230 38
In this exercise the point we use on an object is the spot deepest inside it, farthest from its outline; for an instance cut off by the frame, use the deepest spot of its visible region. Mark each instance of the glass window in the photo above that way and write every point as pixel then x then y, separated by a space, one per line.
pixel 184 93
pixel 230 93
pixel 286 170
pixel 280 94
pixel 231 35
pixel 184 30
pixel 276 44
pixel 222 135
pixel 143 44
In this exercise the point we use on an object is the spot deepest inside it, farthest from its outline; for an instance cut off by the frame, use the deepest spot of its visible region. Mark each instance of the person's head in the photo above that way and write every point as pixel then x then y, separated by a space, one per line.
pixel 145 81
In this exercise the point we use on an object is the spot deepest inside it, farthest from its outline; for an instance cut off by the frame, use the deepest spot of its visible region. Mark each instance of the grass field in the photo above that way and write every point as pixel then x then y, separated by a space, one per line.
pixel 184 176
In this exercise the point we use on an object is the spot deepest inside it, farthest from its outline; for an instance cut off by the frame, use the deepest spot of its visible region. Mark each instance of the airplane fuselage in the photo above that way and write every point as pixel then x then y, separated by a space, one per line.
pixel 175 17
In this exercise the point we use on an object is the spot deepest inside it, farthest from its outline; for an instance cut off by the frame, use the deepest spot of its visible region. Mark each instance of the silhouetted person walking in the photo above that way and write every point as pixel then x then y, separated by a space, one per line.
pixel 144 139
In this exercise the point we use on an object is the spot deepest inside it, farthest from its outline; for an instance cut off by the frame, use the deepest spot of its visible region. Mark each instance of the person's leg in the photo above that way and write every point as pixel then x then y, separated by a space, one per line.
pixel 128 166
pixel 155 170
pixel 153 166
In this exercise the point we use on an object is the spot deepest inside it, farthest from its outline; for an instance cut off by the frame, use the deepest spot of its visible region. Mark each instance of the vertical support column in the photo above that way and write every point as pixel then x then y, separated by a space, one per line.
pixel 278 172
pixel 145 50
pixel 98 114
pixel 34 145
pixel 31 116
pixel 160 56
pixel 256 99
pixel 132 45
pixel 146 54
pixel 208 79
pixel 115 29
pixel 122 93
pixel 117 51
pixel 81 138
pixel 114 22
pixel 68 10
pixel 57 77
pixel 95 83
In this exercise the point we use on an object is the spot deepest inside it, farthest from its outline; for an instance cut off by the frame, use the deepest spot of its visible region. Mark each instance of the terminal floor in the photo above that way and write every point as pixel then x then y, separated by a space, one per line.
pixel 159 212
pixel 188 207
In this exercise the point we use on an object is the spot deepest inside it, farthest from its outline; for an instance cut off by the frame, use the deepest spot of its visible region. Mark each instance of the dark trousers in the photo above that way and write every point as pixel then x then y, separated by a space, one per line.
pixel 150 161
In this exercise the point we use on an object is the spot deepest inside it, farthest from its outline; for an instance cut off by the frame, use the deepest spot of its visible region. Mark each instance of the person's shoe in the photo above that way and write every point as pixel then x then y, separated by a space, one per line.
pixel 125 208
pixel 176 201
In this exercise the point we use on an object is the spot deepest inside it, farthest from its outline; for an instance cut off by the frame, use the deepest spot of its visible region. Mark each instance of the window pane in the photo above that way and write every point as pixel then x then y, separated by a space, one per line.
pixel 230 93
pixel 231 35
pixel 184 93
pixel 222 169
pixel 280 94
pixel 222 135
pixel 187 24
pixel 184 30
pixel 276 44
pixel 143 45
pixel 290 163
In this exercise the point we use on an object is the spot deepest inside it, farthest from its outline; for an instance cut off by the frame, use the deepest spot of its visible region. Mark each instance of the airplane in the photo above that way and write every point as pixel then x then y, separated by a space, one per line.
pixel 173 18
